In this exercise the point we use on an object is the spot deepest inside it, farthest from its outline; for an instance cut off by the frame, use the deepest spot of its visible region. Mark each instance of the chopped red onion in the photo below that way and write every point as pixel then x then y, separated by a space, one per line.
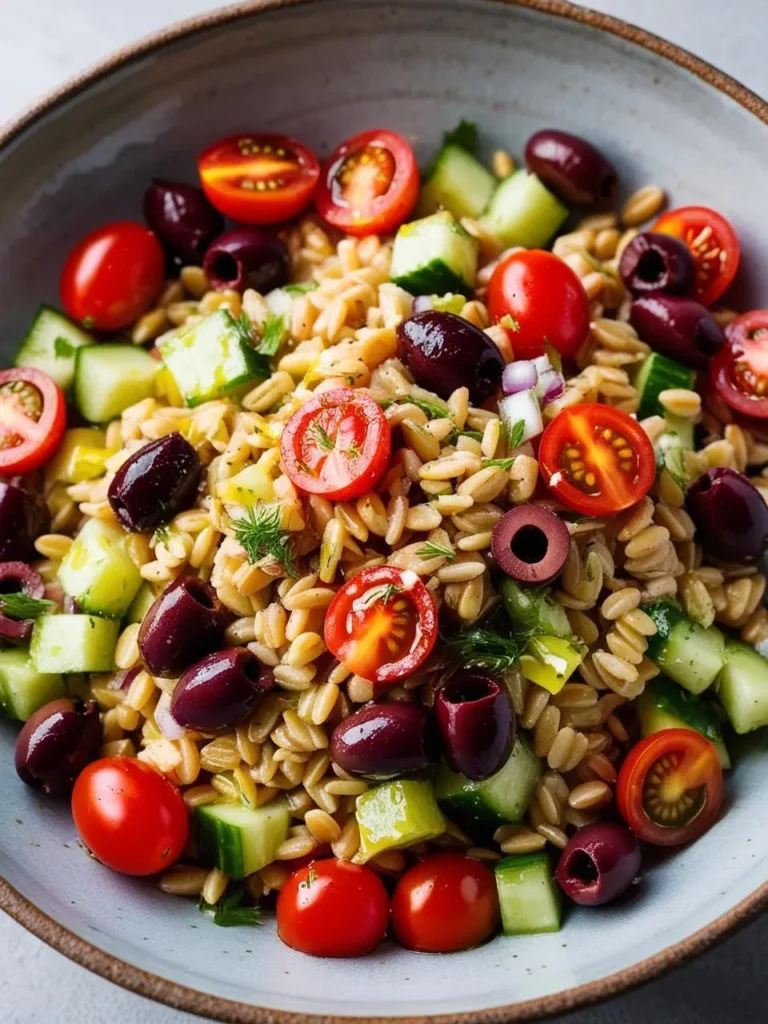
pixel 422 303
pixel 522 406
pixel 542 364
pixel 165 721
pixel 551 385
pixel 518 376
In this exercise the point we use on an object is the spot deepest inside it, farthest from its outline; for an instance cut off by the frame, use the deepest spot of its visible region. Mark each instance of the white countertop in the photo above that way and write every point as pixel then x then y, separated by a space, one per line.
pixel 45 41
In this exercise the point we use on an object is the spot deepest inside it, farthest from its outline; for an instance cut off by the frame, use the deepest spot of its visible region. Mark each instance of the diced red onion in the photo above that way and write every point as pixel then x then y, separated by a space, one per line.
pixel 123 678
pixel 542 364
pixel 422 303
pixel 551 385
pixel 518 376
pixel 165 721
pixel 522 406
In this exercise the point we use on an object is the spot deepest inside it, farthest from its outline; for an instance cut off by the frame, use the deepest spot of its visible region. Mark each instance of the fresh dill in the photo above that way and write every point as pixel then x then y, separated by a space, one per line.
pixel 22 606
pixel 505 464
pixel 241 325
pixel 486 648
pixel 274 331
pixel 321 437
pixel 260 534
pixel 433 550
pixel 230 911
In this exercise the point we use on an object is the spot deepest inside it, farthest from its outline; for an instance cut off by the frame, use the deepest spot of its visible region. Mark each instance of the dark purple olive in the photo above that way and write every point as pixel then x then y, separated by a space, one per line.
pixel 247 258
pixel 182 218
pixel 477 724
pixel 531 544
pixel 657 263
pixel 220 690
pixel 444 352
pixel 599 863
pixel 56 743
pixel 22 519
pixel 730 515
pixel 186 622
pixel 571 167
pixel 18 578
pixel 381 741
pixel 155 483
pixel 677 327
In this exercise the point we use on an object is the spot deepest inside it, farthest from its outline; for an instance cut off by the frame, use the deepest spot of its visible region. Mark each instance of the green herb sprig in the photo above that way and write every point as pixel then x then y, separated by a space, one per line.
pixel 260 534
pixel 230 912
pixel 505 464
pixel 434 550
pixel 274 331
pixel 514 434
pixel 485 648
pixel 22 606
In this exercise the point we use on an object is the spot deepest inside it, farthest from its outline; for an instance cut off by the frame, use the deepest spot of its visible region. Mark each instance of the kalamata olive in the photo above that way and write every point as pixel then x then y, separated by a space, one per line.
pixel 531 544
pixel 381 741
pixel 730 515
pixel 444 352
pixel 186 622
pixel 182 218
pixel 220 690
pixel 598 863
pixel 18 578
pixel 657 263
pixel 56 743
pixel 22 519
pixel 677 327
pixel 247 258
pixel 155 483
pixel 477 724
pixel 571 167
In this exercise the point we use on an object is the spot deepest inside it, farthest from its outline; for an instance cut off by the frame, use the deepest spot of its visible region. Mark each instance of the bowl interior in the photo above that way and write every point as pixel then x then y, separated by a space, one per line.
pixel 322 72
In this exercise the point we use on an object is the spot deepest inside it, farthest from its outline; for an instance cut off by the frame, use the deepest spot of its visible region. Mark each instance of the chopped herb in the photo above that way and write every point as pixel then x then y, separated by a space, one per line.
pixel 433 550
pixel 464 135
pixel 301 288
pixel 509 322
pixel 485 648
pixel 22 606
pixel 161 535
pixel 261 535
pixel 241 325
pixel 63 349
pixel 354 451
pixel 321 437
pixel 274 331
pixel 230 911
pixel 514 435
pixel 504 464
pixel 384 593
pixel 476 435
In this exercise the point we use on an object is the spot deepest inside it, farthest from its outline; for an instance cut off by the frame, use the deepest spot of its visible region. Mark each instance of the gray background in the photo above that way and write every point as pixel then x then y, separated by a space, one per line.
pixel 44 41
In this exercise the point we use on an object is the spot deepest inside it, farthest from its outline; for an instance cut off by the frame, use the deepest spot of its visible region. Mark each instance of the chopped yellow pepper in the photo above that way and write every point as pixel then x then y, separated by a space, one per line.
pixel 549 661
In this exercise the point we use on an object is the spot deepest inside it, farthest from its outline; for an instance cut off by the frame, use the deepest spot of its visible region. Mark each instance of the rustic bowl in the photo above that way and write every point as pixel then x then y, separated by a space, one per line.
pixel 321 71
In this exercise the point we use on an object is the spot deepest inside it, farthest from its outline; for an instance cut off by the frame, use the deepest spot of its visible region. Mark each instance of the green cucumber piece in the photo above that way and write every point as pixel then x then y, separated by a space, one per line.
pixel 671 447
pixel 24 689
pixel 109 378
pixel 51 345
pixel 141 604
pixel 434 254
pixel 657 374
pixel 240 840
pixel 534 608
pixel 743 687
pixel 550 661
pixel 529 898
pixel 74 643
pixel 683 650
pixel 97 571
pixel 523 212
pixel 665 705
pixel 458 182
pixel 396 814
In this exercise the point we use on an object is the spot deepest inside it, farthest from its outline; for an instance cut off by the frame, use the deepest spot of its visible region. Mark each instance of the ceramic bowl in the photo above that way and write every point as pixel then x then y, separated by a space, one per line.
pixel 322 71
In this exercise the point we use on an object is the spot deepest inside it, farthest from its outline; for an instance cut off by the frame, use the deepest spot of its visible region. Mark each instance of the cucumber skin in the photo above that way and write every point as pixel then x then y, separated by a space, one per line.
pixel 434 255
pixel 534 607
pixel 670 618
pixel 220 842
pixel 666 614
pixel 435 277
pixel 666 705
pixel 527 869
pixel 657 373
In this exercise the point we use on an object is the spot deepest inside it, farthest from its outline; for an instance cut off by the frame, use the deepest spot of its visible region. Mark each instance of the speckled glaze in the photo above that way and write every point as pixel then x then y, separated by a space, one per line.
pixel 321 71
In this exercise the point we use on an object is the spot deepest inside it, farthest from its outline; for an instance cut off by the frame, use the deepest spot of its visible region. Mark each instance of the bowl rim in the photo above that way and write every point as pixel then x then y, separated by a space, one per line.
pixel 181 997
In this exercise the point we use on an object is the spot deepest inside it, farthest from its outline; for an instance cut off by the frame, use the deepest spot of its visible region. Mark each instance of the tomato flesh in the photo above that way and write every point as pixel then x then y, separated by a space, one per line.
pixel 33 418
pixel 670 787
pixel 596 459
pixel 382 624
pixel 739 369
pixel 713 244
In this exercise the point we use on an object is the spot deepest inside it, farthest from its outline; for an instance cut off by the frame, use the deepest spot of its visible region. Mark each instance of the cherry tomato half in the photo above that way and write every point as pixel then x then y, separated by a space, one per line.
pixel 712 243
pixel 129 816
pixel 333 908
pixel 370 184
pixel 670 787
pixel 33 418
pixel 382 623
pixel 545 301
pixel 739 369
pixel 337 444
pixel 112 275
pixel 445 903
pixel 596 459
pixel 258 179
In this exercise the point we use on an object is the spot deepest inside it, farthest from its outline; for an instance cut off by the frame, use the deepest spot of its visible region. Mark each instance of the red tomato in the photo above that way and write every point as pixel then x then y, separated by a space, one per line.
pixel 545 300
pixel 33 418
pixel 445 903
pixel 333 908
pixel 129 816
pixel 739 369
pixel 370 184
pixel 112 275
pixel 670 787
pixel 261 178
pixel 712 243
pixel 382 624
pixel 337 444
pixel 596 459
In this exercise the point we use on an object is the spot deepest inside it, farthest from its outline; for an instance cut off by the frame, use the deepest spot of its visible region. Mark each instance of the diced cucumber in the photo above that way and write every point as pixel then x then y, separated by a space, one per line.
pixel 743 687
pixel 23 689
pixel 248 487
pixel 240 840
pixel 684 650
pixel 434 254
pixel 502 798
pixel 665 705
pixel 523 212
pixel 211 359
pixel 396 814
pixel 657 374
pixel 97 571
pixel 51 345
pixel 458 182
pixel 109 378
pixel 74 643
pixel 529 898
pixel 82 455
pixel 670 449
pixel 141 604
pixel 534 608
pixel 550 661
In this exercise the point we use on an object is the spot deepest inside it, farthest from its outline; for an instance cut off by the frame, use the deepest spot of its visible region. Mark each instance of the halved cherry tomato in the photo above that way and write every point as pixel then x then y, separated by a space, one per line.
pixel 337 444
pixel 333 908
pixel 382 624
pixel 670 787
pixel 712 243
pixel 259 178
pixel 33 418
pixel 739 370
pixel 370 184
pixel 545 301
pixel 112 275
pixel 596 459
pixel 445 903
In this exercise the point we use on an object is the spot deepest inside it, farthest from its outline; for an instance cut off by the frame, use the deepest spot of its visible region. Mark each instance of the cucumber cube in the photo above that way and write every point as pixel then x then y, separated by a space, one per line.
pixel 51 345
pixel 396 814
pixel 684 650
pixel 523 212
pixel 434 254
pixel 458 183
pixel 529 898
pixel 110 378
pixel 248 487
pixel 74 643
pixel 97 571
pixel 240 840
pixel 743 687
pixel 24 689
pixel 140 604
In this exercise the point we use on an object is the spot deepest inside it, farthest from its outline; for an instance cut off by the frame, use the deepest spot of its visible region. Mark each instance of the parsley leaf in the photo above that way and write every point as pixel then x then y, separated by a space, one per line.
pixel 464 135
pixel 504 464
pixel 433 550
pixel 301 288
pixel 230 911
pixel 260 534
pixel 274 331
pixel 22 606
pixel 514 434
pixel 63 349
